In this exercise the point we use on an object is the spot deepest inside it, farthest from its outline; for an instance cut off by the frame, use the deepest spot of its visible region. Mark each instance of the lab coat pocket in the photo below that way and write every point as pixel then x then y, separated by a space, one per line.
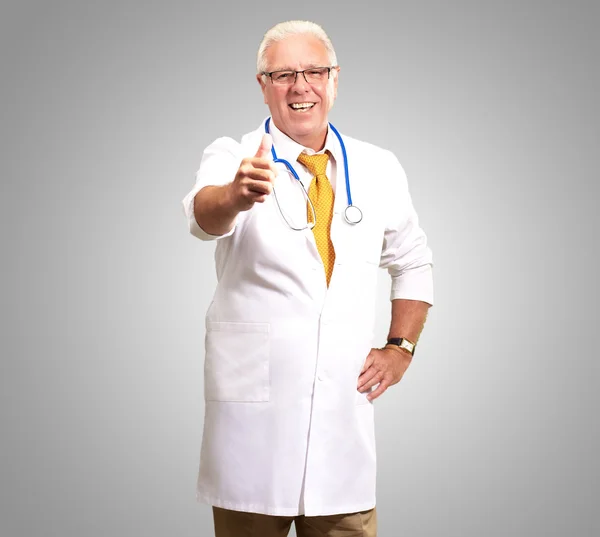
pixel 361 398
pixel 236 366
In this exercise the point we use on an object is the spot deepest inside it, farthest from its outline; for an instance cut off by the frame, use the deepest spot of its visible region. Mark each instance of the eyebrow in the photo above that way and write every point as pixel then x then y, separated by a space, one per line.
pixel 310 66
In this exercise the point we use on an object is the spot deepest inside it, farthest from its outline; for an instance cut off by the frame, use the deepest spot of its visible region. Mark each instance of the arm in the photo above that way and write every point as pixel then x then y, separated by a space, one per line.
pixel 408 319
pixel 212 209
pixel 409 262
pixel 387 366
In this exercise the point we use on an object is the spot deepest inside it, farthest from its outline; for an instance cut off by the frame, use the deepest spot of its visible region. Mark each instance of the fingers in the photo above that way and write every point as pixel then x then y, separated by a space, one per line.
pixel 258 180
pixel 259 187
pixel 383 385
pixel 265 146
pixel 258 169
pixel 368 362
pixel 367 372
pixel 369 378
pixel 255 177
pixel 257 198
pixel 254 180
pixel 380 367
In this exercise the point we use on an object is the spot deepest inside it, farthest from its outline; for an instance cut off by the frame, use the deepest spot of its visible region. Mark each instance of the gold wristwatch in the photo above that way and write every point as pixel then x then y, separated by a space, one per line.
pixel 403 343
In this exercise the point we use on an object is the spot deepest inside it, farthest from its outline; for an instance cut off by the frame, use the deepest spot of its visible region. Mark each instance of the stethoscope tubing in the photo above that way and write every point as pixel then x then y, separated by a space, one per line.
pixel 346 173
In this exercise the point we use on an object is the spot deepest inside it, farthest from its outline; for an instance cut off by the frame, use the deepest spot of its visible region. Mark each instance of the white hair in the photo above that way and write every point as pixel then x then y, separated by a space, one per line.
pixel 285 29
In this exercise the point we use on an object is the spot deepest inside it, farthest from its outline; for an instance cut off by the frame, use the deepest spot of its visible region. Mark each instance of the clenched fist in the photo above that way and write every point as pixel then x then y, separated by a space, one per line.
pixel 254 179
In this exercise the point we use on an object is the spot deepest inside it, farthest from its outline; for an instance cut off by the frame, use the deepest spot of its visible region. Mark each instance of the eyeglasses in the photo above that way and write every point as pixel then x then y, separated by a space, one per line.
pixel 314 75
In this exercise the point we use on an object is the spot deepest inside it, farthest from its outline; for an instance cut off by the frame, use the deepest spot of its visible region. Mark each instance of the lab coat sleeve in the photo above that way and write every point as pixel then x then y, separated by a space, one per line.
pixel 218 166
pixel 405 253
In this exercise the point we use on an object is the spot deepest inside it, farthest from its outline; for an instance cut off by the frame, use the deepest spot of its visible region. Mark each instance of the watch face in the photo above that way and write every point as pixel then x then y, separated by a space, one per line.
pixel 406 345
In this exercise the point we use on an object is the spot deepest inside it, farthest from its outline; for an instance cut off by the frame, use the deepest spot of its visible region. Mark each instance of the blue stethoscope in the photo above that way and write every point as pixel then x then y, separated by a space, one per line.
pixel 352 214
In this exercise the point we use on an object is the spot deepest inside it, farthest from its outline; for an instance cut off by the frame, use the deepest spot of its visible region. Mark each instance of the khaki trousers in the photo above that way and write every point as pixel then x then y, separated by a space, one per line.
pixel 241 524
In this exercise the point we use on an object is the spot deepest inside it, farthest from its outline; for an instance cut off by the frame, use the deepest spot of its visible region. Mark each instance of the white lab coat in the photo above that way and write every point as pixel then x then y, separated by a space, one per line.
pixel 286 432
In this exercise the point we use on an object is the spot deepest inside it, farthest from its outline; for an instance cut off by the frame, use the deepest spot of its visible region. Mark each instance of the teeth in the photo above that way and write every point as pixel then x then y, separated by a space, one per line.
pixel 300 106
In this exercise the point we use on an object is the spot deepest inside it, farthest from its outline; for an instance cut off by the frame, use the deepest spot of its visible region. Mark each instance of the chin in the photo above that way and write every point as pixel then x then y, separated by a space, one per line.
pixel 307 125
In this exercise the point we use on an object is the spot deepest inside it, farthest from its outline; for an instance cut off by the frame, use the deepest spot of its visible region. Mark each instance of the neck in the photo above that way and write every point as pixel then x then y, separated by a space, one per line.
pixel 312 141
pixel 315 140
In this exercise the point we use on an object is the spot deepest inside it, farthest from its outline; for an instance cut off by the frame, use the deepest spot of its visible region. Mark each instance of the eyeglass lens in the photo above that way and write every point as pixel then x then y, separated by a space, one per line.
pixel 314 75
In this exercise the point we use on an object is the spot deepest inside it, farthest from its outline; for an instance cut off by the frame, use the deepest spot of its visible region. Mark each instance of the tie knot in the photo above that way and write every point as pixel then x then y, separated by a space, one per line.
pixel 316 164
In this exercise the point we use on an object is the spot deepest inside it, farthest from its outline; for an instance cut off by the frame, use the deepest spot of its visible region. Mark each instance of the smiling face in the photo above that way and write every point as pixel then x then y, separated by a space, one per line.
pixel 300 109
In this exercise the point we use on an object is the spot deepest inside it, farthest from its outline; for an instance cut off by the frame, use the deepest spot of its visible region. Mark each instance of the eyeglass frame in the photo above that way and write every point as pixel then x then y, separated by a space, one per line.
pixel 270 75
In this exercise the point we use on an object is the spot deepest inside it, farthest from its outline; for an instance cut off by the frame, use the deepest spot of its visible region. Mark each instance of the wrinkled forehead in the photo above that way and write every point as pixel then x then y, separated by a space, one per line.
pixel 297 52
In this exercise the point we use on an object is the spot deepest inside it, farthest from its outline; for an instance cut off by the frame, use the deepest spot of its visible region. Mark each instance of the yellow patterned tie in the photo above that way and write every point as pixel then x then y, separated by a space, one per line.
pixel 321 195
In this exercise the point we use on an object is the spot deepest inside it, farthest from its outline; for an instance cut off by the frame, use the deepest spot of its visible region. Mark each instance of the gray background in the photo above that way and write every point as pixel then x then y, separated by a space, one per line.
pixel 106 107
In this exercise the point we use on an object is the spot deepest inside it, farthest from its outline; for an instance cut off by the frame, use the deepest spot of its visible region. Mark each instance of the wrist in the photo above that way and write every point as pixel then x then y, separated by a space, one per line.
pixel 397 350
pixel 229 204
pixel 402 343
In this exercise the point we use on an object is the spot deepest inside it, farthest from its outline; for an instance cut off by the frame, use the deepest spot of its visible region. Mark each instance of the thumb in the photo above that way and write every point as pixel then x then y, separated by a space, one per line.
pixel 265 146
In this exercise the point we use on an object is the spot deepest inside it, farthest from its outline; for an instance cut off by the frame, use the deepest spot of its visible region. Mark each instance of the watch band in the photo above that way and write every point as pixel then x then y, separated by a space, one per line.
pixel 403 343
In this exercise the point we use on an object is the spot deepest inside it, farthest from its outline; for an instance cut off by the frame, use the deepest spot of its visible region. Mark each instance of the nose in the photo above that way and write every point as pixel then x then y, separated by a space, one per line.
pixel 300 84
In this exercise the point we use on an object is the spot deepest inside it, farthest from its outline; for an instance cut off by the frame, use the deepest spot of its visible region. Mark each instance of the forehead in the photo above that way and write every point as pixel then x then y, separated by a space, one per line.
pixel 297 52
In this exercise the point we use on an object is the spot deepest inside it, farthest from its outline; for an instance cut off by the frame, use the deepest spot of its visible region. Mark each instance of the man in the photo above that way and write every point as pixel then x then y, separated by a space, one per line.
pixel 290 372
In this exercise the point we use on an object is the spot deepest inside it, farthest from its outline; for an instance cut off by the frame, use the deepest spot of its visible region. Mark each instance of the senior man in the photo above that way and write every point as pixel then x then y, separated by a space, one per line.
pixel 303 217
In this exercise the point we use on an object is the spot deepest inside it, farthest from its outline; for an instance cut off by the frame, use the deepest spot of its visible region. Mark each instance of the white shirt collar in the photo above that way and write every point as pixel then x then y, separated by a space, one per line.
pixel 289 149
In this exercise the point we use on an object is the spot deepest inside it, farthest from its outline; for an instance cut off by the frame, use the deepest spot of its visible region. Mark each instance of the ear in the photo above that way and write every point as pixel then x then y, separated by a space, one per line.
pixel 263 86
pixel 335 81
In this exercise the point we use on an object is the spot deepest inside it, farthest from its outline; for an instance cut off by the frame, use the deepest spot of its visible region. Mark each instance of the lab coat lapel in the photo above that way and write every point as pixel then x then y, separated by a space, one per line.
pixel 339 226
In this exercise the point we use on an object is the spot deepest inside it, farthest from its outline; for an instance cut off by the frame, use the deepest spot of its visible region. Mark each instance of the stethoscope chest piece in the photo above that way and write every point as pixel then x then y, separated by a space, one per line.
pixel 352 214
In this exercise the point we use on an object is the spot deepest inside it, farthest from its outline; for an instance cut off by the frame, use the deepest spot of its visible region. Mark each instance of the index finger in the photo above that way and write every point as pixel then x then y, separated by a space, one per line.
pixel 368 361
pixel 265 164
pixel 383 385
